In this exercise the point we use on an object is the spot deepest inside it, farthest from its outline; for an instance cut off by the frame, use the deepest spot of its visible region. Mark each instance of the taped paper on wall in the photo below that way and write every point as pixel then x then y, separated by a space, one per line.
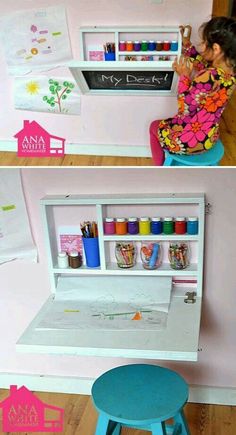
pixel 45 94
pixel 15 235
pixel 36 39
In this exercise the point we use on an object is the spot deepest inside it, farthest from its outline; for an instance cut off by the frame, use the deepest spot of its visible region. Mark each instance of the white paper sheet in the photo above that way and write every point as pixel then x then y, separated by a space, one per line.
pixel 111 303
pixel 35 39
pixel 47 94
pixel 15 235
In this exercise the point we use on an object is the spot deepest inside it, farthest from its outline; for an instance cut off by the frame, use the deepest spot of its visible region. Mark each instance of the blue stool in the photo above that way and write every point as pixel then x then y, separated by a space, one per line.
pixel 140 396
pixel 209 158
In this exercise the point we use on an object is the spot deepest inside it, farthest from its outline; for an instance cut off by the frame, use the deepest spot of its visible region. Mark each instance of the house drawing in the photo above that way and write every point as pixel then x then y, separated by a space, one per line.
pixel 35 141
pixel 23 411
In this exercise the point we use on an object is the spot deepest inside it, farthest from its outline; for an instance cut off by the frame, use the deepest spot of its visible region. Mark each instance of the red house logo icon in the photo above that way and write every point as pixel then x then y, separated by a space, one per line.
pixel 22 411
pixel 35 141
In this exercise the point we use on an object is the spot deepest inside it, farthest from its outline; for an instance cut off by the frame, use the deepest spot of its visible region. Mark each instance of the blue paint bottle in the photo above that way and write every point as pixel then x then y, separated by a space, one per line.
pixel 156 225
pixel 192 225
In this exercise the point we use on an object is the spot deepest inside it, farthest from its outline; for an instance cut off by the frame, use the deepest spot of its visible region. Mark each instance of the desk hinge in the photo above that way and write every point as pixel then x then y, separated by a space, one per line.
pixel 190 297
pixel 208 208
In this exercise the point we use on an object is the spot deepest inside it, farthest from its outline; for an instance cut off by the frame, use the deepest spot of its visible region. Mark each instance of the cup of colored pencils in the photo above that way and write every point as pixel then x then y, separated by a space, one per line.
pixel 90 242
pixel 125 254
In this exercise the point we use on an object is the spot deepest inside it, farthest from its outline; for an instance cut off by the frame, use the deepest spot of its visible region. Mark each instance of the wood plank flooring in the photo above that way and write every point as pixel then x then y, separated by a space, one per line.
pixel 80 416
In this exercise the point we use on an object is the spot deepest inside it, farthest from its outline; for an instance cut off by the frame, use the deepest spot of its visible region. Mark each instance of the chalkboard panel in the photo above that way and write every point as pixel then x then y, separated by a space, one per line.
pixel 129 80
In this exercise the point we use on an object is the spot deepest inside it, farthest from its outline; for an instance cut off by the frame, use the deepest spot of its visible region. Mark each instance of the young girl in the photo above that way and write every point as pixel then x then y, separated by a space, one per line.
pixel 201 100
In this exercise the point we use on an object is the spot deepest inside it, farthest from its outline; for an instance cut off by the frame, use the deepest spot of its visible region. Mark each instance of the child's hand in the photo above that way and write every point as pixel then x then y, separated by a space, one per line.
pixel 183 66
pixel 186 35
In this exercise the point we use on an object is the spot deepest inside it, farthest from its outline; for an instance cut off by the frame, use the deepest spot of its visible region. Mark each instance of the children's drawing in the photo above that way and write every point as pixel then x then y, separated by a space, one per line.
pixel 45 94
pixel 39 39
pixel 59 93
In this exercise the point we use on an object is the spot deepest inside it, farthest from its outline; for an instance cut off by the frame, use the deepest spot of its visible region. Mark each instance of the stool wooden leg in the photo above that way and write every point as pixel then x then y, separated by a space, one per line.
pixel 102 425
pixel 158 429
pixel 180 418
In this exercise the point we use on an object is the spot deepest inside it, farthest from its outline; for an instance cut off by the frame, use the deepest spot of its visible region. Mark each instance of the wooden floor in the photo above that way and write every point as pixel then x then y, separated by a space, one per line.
pixel 80 416
pixel 228 136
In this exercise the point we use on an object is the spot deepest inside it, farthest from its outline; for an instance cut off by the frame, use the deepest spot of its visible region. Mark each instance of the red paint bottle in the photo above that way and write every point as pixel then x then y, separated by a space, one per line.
pixel 180 225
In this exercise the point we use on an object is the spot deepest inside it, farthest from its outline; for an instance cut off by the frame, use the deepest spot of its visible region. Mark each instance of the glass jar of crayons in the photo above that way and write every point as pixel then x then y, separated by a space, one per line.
pixel 125 254
pixel 151 255
pixel 178 255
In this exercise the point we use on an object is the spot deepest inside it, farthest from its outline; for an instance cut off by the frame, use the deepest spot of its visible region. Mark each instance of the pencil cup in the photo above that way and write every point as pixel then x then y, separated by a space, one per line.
pixel 110 56
pixel 91 251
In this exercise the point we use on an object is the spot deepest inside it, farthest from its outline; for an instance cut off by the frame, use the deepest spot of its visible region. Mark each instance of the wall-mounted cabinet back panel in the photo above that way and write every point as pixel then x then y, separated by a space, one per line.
pixel 114 311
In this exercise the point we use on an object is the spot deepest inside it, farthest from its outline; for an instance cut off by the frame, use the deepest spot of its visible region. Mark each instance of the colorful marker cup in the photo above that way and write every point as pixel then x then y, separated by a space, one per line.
pixel 122 46
pixel 174 46
pixel 137 45
pixel 129 46
pixel 151 45
pixel 144 46
pixel 91 250
pixel 110 56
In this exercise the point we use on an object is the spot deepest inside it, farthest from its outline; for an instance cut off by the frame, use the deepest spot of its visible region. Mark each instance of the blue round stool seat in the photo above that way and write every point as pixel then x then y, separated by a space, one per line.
pixel 208 158
pixel 141 396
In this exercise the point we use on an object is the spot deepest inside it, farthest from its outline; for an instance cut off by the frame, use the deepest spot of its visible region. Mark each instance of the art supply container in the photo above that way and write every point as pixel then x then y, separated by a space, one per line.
pixel 156 225
pixel 62 260
pixel 129 46
pixel 174 46
pixel 178 255
pixel 109 226
pixel 180 225
pixel 151 45
pixel 144 226
pixel 121 226
pixel 166 46
pixel 159 45
pixel 168 225
pixel 110 56
pixel 91 250
pixel 133 226
pixel 192 225
pixel 137 45
pixel 122 46
pixel 125 254
pixel 151 255
pixel 75 259
pixel 144 46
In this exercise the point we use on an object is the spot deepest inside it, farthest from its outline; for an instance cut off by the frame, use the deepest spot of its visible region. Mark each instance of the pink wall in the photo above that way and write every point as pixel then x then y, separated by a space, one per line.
pixel 126 124
pixel 25 286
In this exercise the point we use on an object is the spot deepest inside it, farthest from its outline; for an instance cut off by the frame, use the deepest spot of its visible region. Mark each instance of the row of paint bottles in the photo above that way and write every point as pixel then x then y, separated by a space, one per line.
pixel 155 225
pixel 148 45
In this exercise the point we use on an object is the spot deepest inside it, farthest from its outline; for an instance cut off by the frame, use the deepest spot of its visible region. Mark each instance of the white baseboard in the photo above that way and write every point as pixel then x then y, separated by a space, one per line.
pixel 76 385
pixel 91 149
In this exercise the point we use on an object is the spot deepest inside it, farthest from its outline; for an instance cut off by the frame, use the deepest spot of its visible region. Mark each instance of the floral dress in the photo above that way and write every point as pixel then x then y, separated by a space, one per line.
pixel 201 102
